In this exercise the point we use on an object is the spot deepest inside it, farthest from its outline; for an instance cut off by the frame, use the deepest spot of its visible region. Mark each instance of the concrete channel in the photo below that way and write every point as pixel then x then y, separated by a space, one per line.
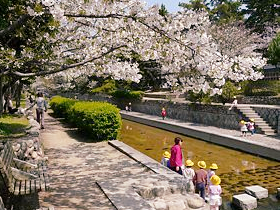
pixel 258 144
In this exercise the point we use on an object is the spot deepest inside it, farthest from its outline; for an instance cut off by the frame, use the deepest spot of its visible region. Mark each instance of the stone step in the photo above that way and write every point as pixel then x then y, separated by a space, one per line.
pixel 257 191
pixel 244 201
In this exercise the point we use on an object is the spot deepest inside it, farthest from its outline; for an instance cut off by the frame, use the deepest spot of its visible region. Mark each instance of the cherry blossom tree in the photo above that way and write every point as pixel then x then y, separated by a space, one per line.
pixel 91 37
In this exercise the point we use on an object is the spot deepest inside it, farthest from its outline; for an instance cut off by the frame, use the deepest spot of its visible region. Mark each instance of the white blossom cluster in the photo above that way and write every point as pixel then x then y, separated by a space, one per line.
pixel 193 54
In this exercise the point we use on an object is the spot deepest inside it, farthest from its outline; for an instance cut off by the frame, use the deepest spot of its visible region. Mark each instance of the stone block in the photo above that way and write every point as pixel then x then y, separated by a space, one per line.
pixel 257 191
pixel 176 204
pixel 278 193
pixel 244 201
pixel 160 205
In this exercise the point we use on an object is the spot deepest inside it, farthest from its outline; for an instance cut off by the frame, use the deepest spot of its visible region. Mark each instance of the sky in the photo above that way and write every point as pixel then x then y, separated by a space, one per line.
pixel 171 5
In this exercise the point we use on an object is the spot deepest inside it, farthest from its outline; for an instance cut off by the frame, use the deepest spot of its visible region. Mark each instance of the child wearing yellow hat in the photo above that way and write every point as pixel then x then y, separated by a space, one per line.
pixel 200 179
pixel 166 159
pixel 211 171
pixel 215 191
pixel 243 128
pixel 188 174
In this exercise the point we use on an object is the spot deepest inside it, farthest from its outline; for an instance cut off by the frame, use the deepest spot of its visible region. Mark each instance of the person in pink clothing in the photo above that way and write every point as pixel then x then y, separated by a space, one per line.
pixel 176 159
pixel 215 191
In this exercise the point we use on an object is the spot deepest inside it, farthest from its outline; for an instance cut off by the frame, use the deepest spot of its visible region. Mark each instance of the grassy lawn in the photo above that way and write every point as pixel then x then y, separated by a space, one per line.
pixel 12 125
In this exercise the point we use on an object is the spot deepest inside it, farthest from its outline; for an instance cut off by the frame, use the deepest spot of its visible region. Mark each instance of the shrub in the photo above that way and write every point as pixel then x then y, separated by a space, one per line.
pixel 100 120
pixel 61 105
pixel 108 87
pixel 124 94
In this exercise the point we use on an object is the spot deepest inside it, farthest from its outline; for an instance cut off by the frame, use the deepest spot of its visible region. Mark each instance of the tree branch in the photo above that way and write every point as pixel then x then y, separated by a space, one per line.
pixel 65 67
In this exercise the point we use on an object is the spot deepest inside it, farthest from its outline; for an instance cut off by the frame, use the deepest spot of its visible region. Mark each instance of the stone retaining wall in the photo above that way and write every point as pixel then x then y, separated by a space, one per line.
pixel 214 115
pixel 270 100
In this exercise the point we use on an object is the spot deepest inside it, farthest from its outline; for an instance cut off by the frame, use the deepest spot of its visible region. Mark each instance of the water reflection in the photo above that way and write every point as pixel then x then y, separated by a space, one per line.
pixel 236 169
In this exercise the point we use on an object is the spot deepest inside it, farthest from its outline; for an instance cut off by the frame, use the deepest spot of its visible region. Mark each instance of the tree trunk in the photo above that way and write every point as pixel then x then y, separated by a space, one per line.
pixel 1 95
pixel 18 94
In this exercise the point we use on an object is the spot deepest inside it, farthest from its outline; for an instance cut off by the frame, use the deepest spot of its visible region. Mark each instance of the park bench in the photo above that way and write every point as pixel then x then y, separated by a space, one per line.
pixel 21 177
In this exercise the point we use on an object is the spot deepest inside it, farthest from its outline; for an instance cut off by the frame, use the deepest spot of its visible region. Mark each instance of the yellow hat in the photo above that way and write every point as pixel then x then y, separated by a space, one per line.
pixel 163 109
pixel 189 163
pixel 166 154
pixel 215 180
pixel 201 164
pixel 213 166
pixel 252 120
pixel 242 122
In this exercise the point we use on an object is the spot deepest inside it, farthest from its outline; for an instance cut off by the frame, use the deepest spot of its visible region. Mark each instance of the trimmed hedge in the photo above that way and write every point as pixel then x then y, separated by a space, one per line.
pixel 61 105
pixel 99 120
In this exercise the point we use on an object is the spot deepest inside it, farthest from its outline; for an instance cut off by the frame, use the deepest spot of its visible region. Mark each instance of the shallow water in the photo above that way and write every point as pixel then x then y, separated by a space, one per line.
pixel 236 169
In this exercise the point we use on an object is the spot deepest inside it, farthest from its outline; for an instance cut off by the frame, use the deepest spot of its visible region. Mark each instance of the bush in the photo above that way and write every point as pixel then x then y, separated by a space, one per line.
pixel 61 105
pixel 100 120
pixel 108 87
pixel 124 94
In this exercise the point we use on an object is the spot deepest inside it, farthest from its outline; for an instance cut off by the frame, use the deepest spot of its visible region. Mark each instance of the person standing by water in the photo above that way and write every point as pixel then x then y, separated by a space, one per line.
pixel 40 109
pixel 200 179
pixel 176 158
pixel 188 174
pixel 215 191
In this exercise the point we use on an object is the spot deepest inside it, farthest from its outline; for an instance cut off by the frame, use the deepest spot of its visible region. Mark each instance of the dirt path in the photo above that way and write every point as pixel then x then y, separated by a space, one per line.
pixel 75 166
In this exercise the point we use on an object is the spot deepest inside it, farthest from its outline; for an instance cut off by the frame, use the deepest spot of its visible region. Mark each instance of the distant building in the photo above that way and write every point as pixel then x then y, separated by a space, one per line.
pixel 271 72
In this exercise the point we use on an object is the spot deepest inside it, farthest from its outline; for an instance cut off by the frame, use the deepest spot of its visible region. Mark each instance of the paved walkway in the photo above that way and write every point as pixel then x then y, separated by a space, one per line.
pixel 75 166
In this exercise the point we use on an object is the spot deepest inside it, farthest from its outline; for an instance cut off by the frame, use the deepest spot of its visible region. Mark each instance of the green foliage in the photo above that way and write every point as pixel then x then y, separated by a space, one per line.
pixel 229 90
pixel 100 120
pixel 61 105
pixel 262 13
pixel 199 97
pixel 124 94
pixel 108 87
pixel 226 11
pixel 194 5
pixel 13 126
pixel 273 52
pixel 262 88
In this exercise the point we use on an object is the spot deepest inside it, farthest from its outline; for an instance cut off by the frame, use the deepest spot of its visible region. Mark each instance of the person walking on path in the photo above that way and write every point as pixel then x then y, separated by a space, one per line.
pixel 189 174
pixel 40 109
pixel 163 113
pixel 200 179
pixel 215 191
pixel 176 158
pixel 251 126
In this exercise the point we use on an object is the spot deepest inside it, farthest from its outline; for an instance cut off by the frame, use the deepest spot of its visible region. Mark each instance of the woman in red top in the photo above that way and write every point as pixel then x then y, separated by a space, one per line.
pixel 176 159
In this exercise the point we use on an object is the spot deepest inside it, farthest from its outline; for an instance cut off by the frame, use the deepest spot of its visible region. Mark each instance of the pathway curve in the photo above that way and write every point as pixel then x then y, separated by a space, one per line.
pixel 75 165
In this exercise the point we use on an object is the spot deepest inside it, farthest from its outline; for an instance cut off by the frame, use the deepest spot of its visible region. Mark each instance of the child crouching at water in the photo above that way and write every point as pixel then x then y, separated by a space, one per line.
pixel 165 159
pixel 215 191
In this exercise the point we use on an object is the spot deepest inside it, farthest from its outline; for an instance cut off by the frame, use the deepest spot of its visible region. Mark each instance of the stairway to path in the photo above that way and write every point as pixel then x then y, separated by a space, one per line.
pixel 247 111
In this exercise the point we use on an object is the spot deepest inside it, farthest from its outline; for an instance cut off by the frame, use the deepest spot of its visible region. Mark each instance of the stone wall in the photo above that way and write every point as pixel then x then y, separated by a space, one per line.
pixel 270 115
pixel 214 115
pixel 270 100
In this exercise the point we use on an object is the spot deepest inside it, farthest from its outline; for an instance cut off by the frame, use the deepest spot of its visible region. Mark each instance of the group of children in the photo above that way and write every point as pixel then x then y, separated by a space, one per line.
pixel 247 126
pixel 200 181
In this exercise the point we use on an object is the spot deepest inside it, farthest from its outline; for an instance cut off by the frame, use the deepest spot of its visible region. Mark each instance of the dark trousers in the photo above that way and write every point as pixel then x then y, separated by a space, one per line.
pixel 200 188
pixel 174 169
